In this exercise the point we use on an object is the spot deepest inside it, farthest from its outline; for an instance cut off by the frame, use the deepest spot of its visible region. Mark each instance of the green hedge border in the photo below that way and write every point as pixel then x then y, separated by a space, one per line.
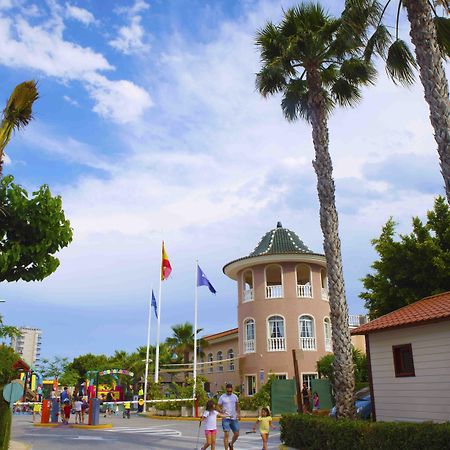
pixel 5 422
pixel 323 433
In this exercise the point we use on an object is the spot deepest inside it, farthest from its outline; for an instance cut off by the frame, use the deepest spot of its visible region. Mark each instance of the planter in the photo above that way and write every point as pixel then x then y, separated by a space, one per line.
pixel 249 413
pixel 186 411
pixel 173 412
pixel 160 412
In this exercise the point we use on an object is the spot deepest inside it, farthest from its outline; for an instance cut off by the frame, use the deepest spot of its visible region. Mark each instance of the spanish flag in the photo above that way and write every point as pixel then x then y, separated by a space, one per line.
pixel 166 268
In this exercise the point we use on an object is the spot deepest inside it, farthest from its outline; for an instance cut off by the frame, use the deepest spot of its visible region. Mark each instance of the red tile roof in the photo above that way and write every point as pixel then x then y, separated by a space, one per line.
pixel 430 309
pixel 221 334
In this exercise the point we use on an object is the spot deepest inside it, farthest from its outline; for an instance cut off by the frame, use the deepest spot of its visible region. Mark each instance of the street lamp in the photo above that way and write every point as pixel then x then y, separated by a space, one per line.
pixel 2 301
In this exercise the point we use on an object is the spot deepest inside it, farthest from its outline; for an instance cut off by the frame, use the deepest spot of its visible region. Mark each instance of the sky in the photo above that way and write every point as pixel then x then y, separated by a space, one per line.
pixel 149 127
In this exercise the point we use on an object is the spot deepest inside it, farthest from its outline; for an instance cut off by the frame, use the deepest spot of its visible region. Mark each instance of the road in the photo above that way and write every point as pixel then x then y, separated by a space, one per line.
pixel 134 433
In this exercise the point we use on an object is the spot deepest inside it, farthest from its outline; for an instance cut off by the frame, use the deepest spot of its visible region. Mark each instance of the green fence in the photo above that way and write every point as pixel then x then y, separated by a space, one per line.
pixel 283 393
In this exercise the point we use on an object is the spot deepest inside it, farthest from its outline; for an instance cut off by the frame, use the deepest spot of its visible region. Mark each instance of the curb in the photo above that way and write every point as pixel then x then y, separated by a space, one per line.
pixel 17 445
pixel 47 425
pixel 92 427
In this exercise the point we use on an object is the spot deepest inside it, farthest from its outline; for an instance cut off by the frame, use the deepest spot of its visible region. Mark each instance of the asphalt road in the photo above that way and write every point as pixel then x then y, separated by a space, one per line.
pixel 134 433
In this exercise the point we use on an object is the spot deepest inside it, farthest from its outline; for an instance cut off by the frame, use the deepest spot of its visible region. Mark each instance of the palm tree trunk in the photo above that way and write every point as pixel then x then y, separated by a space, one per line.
pixel 432 75
pixel 344 380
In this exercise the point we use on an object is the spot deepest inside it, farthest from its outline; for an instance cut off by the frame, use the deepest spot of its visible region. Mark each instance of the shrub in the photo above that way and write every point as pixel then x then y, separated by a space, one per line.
pixel 5 422
pixel 314 433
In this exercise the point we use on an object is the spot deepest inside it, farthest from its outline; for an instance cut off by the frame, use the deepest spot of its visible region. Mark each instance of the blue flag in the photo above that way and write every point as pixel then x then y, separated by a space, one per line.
pixel 203 281
pixel 155 306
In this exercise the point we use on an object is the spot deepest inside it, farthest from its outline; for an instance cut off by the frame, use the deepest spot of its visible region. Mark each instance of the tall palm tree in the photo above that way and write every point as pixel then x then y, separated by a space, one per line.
pixel 182 341
pixel 316 63
pixel 17 114
pixel 430 35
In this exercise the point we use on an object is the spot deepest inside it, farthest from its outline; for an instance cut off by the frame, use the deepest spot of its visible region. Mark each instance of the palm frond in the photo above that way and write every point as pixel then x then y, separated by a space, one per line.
pixel 378 43
pixel 329 74
pixel 400 63
pixel 356 70
pixel 307 17
pixel 295 101
pixel 442 25
pixel 268 41
pixel 270 80
pixel 345 93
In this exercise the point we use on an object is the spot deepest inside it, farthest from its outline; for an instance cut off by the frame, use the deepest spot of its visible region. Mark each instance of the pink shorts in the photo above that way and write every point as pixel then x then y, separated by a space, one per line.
pixel 210 432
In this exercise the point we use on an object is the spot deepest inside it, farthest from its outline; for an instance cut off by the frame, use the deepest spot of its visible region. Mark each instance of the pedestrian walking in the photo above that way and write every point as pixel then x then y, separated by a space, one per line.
pixel 67 408
pixel 78 410
pixel 228 406
pixel 265 423
pixel 36 408
pixel 210 418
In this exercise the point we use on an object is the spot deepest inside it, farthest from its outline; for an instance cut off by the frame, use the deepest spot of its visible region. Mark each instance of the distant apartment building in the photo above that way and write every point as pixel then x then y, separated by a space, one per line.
pixel 282 306
pixel 28 344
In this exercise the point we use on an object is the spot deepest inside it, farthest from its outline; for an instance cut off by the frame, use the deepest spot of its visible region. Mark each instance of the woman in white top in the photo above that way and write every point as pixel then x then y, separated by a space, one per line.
pixel 210 419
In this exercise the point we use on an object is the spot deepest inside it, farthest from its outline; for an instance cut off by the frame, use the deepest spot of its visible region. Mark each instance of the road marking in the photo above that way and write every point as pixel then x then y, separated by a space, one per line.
pixel 156 431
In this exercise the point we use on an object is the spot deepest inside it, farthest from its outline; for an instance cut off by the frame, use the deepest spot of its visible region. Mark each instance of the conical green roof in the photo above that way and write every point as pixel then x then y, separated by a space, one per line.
pixel 280 241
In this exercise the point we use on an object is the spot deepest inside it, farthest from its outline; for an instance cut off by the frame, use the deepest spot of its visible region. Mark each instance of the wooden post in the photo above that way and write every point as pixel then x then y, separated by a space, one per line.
pixel 297 383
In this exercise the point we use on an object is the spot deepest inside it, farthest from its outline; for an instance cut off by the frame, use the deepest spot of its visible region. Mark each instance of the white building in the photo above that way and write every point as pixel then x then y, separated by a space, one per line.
pixel 28 344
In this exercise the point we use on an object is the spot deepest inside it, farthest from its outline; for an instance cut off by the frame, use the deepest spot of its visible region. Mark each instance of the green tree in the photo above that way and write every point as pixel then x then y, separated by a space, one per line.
pixel 32 230
pixel 7 331
pixel 315 61
pixel 430 35
pixel 17 113
pixel 182 341
pixel 7 358
pixel 415 266
pixel 88 362
pixel 54 368
pixel 325 366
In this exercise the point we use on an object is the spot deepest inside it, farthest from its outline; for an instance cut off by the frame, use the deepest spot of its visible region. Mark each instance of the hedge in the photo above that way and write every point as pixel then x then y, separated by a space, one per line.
pixel 321 433
pixel 5 422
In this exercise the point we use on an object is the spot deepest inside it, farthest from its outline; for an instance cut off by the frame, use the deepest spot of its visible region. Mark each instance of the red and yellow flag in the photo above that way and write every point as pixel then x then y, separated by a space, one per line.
pixel 166 268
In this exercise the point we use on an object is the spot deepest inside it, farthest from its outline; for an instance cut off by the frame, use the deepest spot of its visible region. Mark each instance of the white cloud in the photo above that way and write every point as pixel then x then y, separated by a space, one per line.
pixel 70 100
pixel 82 15
pixel 130 38
pixel 43 48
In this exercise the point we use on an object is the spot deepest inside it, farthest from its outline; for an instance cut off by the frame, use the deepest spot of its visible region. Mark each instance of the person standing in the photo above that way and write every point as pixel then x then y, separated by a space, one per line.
pixel 305 398
pixel 78 410
pixel 228 405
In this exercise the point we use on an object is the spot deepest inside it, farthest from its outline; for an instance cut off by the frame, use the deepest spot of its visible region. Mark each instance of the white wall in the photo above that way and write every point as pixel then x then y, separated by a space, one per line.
pixel 423 397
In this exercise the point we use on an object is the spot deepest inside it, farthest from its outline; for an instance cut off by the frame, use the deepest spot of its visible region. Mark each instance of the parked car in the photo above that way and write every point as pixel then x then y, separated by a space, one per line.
pixel 363 404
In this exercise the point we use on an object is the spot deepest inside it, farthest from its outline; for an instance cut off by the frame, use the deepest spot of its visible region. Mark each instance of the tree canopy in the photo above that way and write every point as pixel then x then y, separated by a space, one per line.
pixel 415 266
pixel 7 358
pixel 32 230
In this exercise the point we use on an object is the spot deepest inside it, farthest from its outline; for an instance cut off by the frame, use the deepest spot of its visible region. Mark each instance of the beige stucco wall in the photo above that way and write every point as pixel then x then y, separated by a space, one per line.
pixel 426 396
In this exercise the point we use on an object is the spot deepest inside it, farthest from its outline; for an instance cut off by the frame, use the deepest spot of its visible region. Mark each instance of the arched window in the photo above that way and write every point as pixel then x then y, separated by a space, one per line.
pixel 230 356
pixel 247 283
pixel 307 333
pixel 249 336
pixel 324 283
pixel 220 358
pixel 202 365
pixel 210 360
pixel 304 287
pixel 276 340
pixel 274 281
pixel 327 334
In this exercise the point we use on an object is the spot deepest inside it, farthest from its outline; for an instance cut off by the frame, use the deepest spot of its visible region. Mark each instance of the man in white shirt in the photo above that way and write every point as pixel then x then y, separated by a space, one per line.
pixel 228 405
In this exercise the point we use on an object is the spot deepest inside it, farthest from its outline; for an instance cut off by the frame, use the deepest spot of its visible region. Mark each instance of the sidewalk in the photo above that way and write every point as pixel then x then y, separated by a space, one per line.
pixel 16 445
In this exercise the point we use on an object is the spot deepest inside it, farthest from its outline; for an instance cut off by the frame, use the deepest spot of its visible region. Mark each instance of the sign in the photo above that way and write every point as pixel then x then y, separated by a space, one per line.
pixel 141 401
pixel 12 392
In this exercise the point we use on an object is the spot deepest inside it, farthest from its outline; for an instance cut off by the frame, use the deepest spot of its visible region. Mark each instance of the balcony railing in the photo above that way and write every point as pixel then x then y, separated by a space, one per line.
pixel 308 343
pixel 274 291
pixel 328 345
pixel 355 320
pixel 249 346
pixel 324 294
pixel 276 344
pixel 304 290
pixel 247 295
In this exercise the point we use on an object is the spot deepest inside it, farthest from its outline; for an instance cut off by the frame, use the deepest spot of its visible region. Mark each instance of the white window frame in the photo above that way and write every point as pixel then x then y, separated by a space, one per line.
pixel 308 384
pixel 297 283
pixel 231 363
pixel 312 340
pixel 210 360
pixel 283 374
pixel 246 377
pixel 324 285
pixel 245 340
pixel 265 282
pixel 269 334
pixel 327 341
pixel 243 292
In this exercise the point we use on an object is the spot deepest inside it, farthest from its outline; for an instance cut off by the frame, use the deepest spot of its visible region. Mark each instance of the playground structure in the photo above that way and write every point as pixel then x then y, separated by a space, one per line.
pixel 93 389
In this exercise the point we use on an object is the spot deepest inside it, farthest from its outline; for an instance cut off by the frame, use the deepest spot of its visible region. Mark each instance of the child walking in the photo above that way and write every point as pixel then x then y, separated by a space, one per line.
pixel 67 408
pixel 210 419
pixel 265 423
pixel 78 410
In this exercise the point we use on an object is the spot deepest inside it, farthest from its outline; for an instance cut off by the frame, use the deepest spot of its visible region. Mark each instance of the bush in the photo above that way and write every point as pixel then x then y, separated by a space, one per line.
pixel 322 433
pixel 5 422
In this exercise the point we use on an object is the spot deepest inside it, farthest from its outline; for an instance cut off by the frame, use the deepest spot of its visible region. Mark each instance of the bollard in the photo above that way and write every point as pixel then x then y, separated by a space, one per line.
pixel 54 411
pixel 94 411
pixel 45 411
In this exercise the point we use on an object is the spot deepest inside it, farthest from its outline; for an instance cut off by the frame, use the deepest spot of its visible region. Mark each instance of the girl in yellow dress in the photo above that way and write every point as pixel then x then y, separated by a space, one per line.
pixel 265 424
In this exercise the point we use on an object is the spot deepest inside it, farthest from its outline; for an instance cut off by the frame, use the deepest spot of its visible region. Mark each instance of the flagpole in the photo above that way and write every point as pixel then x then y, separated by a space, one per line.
pixel 195 328
pixel 158 330
pixel 148 351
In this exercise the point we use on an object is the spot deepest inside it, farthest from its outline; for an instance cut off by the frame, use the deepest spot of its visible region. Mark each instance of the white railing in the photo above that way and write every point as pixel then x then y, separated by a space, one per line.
pixel 274 291
pixel 304 290
pixel 247 295
pixel 355 320
pixel 249 346
pixel 328 345
pixel 308 343
pixel 276 344
pixel 324 294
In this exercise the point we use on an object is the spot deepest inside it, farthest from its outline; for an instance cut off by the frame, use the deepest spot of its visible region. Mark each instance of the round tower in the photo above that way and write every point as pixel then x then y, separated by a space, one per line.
pixel 282 305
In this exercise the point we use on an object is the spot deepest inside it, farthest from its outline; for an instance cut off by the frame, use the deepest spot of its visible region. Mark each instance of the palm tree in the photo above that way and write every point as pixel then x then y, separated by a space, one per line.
pixel 430 35
pixel 316 63
pixel 17 113
pixel 182 341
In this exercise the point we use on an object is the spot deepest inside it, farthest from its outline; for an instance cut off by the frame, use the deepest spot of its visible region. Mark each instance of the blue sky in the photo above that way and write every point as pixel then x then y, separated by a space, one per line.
pixel 149 127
